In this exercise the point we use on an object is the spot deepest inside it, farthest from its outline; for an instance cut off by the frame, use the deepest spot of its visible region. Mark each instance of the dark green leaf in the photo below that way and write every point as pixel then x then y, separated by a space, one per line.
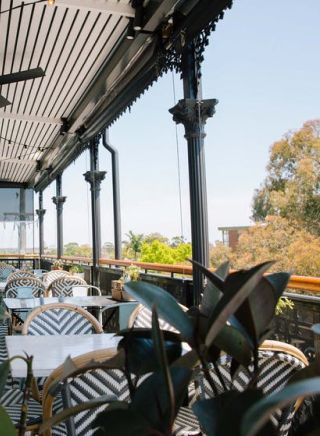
pixel 187 360
pixel 260 412
pixel 121 422
pixel 167 306
pixel 141 356
pixel 237 288
pixel 210 298
pixel 151 397
pixel 164 368
pixel 6 426
pixel 232 342
pixel 214 278
pixel 4 373
pixel 223 414
pixel 223 270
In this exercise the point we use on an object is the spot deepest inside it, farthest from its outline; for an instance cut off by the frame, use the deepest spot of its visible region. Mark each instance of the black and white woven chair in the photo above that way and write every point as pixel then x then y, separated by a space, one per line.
pixel 60 319
pixel 141 317
pixel 5 271
pixel 63 286
pixel 50 276
pixel 20 274
pixel 278 361
pixel 35 285
pixel 92 382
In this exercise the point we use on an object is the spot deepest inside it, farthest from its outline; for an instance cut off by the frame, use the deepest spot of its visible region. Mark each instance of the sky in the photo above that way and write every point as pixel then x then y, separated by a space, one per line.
pixel 262 65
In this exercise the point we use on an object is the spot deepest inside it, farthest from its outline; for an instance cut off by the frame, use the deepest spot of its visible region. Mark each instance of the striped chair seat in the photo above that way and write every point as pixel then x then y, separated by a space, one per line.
pixel 276 367
pixel 12 400
pixel 5 271
pixel 64 285
pixel 20 274
pixel 92 383
pixel 60 319
pixel 142 317
pixel 50 276
pixel 36 286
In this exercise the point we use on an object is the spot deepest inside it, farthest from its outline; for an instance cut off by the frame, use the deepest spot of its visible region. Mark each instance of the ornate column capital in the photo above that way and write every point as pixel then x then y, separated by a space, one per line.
pixel 59 200
pixel 193 114
pixel 94 178
pixel 40 212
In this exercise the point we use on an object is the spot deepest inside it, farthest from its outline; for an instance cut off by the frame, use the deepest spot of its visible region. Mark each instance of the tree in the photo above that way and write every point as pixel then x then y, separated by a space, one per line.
pixel 135 242
pixel 219 253
pixel 156 237
pixel 292 186
pixel 293 248
pixel 159 252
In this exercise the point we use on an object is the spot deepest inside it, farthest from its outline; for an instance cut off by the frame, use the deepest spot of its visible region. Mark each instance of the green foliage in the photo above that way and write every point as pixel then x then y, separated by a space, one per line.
pixel 76 269
pixel 132 272
pixel 282 240
pixel 159 252
pixel 75 250
pixel 291 188
pixel 219 253
pixel 135 243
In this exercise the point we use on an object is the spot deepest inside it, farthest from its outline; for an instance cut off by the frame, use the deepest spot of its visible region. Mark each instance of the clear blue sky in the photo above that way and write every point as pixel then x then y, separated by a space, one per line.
pixel 262 65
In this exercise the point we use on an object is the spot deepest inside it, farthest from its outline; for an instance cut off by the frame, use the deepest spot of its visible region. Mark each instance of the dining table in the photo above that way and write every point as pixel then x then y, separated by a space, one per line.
pixel 49 352
pixel 101 302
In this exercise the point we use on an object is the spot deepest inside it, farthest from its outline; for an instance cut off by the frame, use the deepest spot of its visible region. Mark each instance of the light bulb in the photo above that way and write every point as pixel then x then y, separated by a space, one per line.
pixel 51 2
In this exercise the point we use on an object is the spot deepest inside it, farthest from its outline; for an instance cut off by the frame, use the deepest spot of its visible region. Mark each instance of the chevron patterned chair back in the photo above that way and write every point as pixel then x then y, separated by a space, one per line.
pixel 20 274
pixel 278 361
pixel 60 319
pixel 5 271
pixel 63 286
pixel 50 276
pixel 36 285
pixel 142 317
pixel 90 381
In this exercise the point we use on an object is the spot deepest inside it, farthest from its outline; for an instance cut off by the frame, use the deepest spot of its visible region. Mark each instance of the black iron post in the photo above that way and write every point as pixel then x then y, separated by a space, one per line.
pixel 115 194
pixel 40 212
pixel 22 222
pixel 193 112
pixel 58 201
pixel 95 177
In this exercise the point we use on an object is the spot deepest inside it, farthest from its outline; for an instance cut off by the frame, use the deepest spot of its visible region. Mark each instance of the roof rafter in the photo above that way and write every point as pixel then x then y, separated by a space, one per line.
pixel 105 6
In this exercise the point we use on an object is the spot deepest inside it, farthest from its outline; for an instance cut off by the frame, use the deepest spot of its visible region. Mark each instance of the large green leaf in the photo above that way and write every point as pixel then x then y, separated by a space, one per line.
pixel 140 350
pixel 120 422
pixel 237 288
pixel 265 294
pixel 260 412
pixel 213 277
pixel 151 397
pixel 210 298
pixel 223 414
pixel 4 373
pixel 168 308
pixel 223 270
pixel 231 341
pixel 6 426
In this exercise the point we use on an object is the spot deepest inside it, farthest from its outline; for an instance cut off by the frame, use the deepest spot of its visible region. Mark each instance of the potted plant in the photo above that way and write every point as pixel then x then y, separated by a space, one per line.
pixel 57 264
pixel 77 270
pixel 131 273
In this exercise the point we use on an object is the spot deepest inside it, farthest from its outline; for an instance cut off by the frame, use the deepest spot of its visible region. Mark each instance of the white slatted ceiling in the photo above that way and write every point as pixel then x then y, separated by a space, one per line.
pixel 70 45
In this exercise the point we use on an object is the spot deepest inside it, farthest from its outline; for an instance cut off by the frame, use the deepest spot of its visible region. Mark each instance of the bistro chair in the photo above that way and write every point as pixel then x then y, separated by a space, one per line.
pixel 5 271
pixel 63 286
pixel 278 362
pixel 20 274
pixel 24 286
pixel 50 276
pixel 141 317
pixel 89 381
pixel 60 319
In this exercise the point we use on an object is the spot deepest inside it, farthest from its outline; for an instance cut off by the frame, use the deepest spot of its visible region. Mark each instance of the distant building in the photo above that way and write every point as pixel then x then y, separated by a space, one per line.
pixel 230 235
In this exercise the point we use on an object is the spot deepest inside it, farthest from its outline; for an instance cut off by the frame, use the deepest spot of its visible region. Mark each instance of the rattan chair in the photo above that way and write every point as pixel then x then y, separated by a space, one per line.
pixel 36 286
pixel 141 316
pixel 63 286
pixel 20 274
pixel 5 270
pixel 50 276
pixel 91 381
pixel 278 361
pixel 60 319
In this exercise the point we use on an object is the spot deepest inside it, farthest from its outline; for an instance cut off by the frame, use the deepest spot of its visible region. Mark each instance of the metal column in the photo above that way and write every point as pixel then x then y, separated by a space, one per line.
pixel 193 112
pixel 58 201
pixel 95 177
pixel 115 194
pixel 40 212
pixel 22 222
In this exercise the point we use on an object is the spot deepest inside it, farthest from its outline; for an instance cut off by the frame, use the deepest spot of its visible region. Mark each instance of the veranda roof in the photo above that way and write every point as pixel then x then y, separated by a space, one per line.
pixel 92 72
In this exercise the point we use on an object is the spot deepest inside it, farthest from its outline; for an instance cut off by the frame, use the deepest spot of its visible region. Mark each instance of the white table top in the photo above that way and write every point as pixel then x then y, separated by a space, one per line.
pixel 51 351
pixel 89 301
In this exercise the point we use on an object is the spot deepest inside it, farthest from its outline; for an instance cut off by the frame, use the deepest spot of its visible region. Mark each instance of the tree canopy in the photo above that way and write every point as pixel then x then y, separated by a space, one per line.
pixel 292 186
